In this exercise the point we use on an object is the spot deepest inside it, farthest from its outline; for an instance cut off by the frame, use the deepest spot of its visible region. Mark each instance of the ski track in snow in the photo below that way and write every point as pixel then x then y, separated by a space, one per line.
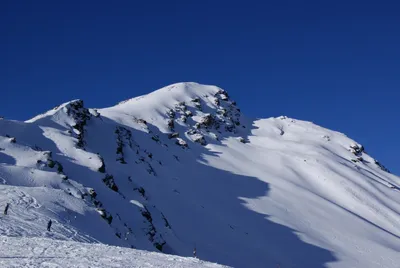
pixel 41 252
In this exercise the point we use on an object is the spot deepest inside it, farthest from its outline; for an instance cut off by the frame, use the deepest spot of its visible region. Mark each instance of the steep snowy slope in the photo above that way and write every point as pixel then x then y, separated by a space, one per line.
pixel 182 168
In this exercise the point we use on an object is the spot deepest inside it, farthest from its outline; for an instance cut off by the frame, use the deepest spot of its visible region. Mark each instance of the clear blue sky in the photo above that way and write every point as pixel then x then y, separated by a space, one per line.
pixel 336 63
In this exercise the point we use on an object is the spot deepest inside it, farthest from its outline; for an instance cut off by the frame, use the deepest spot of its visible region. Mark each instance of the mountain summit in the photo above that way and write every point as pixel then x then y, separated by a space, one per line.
pixel 182 169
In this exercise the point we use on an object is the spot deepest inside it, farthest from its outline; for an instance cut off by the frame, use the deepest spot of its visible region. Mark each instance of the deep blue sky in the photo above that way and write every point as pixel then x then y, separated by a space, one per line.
pixel 336 63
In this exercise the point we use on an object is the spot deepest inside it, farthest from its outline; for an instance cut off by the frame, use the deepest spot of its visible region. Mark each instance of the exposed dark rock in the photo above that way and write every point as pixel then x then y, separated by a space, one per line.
pixel 381 166
pixel 173 135
pixel 105 215
pixel 92 193
pixel 224 97
pixel 326 137
pixel 151 170
pixel 159 246
pixel 109 181
pixel 171 113
pixel 221 92
pixel 155 138
pixel 242 140
pixel 102 168
pixel 184 118
pixel 171 124
pixel 181 106
pixel 181 142
pixel 141 191
pixel 198 106
pixel 200 139
pixel 356 149
pixel 207 120
pixel 166 221
pixel 51 163
pixel 191 131
pixel 60 168
pixel 229 127
pixel 196 100
pixel 80 115
pixel 142 121
pixel 222 112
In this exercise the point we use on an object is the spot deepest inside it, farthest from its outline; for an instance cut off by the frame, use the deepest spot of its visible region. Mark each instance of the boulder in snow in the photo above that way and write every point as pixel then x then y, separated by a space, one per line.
pixel 196 100
pixel 207 120
pixel 183 118
pixel 170 124
pixel 242 140
pixel 171 113
pixel 173 135
pixel 224 97
pixel 181 142
pixel 199 139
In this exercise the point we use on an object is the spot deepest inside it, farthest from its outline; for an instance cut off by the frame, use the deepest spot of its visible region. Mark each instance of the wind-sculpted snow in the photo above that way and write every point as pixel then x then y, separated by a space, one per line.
pixel 182 169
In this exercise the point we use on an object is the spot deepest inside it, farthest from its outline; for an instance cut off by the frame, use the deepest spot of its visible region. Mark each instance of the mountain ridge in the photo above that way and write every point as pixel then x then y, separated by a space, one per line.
pixel 182 167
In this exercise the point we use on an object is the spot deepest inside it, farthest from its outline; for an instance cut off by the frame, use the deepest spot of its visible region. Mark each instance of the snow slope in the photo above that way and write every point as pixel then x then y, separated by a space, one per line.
pixel 41 252
pixel 183 168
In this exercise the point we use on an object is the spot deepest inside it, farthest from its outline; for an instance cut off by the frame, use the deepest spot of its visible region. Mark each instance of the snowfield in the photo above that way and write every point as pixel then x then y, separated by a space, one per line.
pixel 43 252
pixel 181 169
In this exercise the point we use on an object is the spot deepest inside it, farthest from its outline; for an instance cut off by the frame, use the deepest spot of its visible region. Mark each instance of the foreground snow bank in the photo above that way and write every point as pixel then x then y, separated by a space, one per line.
pixel 43 252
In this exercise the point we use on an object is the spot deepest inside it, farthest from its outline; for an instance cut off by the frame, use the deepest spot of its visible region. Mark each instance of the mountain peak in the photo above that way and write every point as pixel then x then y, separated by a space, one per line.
pixel 182 170
pixel 188 101
pixel 64 106
pixel 178 92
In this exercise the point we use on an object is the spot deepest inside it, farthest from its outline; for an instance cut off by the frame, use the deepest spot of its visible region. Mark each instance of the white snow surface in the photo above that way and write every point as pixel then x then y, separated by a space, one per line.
pixel 44 252
pixel 181 169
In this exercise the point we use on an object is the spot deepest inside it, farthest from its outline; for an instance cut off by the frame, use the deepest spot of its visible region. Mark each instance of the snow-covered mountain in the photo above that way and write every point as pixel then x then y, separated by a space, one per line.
pixel 182 168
